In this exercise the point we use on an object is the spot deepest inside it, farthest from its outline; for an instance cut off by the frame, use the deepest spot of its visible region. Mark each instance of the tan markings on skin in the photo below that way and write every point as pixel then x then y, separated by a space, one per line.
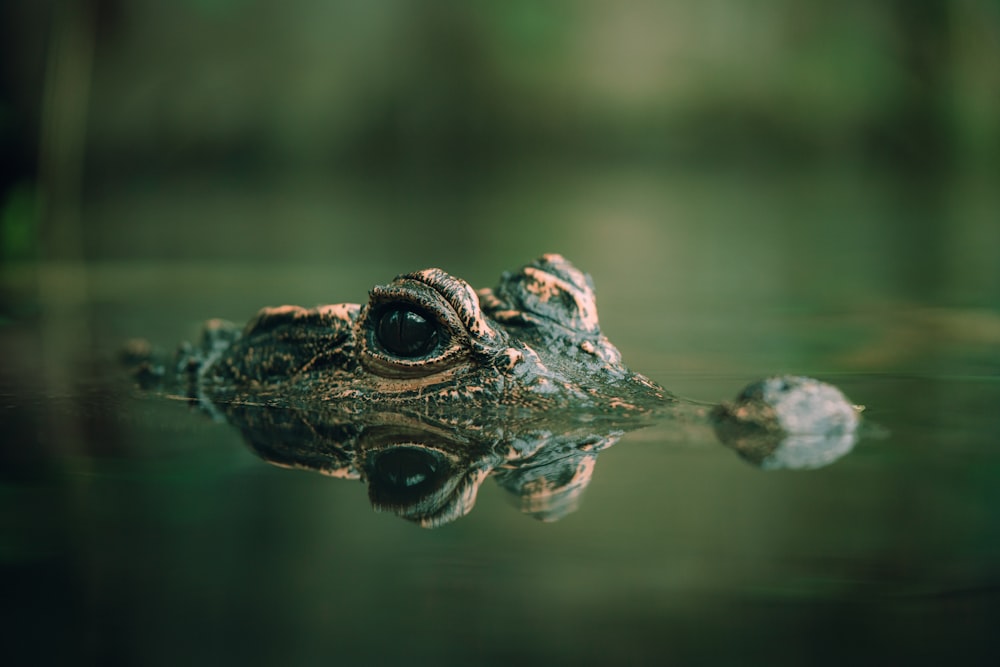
pixel 396 419
pixel 339 312
pixel 514 357
pixel 534 359
pixel 547 286
pixel 342 311
pixel 463 297
pixel 341 473
pixel 216 323
pixel 477 326
pixel 487 299
pixel 588 347
pixel 538 492
pixel 463 502
pixel 282 310
pixel 395 385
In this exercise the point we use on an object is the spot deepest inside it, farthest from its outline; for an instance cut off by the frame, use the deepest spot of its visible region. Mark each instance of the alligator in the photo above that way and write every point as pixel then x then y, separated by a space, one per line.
pixel 428 342
pixel 432 376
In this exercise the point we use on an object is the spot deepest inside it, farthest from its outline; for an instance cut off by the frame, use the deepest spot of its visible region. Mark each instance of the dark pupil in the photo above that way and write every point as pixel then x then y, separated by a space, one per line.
pixel 406 333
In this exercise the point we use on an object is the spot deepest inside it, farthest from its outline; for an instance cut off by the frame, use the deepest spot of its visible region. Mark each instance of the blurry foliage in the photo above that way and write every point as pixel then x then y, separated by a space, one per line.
pixel 426 102
pixel 255 83
pixel 446 83
pixel 221 8
pixel 19 223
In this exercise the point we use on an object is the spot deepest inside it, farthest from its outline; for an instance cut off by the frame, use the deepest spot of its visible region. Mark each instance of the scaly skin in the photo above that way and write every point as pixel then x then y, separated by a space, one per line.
pixel 431 387
pixel 533 342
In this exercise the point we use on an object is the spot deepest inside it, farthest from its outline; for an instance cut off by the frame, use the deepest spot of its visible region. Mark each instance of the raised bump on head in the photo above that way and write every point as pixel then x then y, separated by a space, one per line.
pixel 550 288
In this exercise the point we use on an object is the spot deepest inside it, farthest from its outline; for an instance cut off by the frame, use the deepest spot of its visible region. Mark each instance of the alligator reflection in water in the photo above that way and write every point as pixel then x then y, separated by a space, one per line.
pixel 432 386
pixel 430 472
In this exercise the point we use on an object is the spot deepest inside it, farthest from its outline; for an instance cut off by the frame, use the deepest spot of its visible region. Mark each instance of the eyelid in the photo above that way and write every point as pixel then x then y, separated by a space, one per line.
pixel 419 297
pixel 463 302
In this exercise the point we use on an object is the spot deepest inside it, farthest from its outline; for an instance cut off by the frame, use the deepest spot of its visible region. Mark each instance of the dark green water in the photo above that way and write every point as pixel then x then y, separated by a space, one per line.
pixel 135 530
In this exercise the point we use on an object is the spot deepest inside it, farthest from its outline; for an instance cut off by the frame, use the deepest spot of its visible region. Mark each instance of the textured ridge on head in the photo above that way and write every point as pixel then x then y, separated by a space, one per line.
pixel 550 288
pixel 462 298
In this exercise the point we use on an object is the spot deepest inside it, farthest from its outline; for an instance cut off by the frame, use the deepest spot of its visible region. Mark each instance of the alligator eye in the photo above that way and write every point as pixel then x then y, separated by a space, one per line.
pixel 406 333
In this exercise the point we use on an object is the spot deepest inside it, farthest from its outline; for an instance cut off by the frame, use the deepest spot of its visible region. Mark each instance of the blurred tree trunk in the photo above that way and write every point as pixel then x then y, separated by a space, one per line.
pixel 921 119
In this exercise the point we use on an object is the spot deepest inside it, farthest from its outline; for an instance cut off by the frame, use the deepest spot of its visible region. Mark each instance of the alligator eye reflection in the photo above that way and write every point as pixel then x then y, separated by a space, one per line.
pixel 406 333
pixel 404 469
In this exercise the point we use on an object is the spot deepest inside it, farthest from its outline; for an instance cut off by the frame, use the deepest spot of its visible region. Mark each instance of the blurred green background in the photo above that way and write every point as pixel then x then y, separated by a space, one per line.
pixel 701 160
pixel 315 131
pixel 776 186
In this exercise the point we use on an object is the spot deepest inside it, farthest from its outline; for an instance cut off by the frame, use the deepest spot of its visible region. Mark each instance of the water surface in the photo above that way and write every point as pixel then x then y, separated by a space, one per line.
pixel 136 530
